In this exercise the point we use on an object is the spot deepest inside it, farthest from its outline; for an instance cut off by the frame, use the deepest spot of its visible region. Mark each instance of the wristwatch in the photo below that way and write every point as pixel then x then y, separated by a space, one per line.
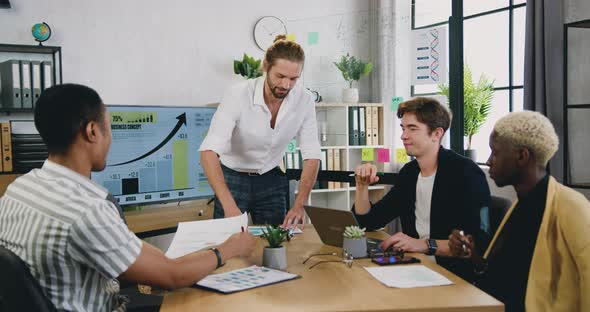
pixel 218 255
pixel 432 247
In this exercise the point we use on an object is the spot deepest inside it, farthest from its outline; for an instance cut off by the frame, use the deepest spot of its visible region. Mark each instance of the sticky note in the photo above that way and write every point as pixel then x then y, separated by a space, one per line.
pixel 383 155
pixel 292 146
pixel 313 38
pixel 401 156
pixel 291 37
pixel 395 102
pixel 368 154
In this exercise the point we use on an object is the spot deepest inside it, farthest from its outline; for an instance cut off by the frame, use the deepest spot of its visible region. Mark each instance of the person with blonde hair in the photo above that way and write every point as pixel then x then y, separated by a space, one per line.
pixel 539 258
pixel 248 136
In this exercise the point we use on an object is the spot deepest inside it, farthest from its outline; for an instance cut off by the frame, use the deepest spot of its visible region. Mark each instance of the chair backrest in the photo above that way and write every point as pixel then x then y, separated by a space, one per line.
pixel 19 290
pixel 498 208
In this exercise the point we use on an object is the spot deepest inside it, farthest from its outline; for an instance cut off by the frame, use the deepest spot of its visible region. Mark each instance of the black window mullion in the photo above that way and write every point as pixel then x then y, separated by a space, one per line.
pixel 510 55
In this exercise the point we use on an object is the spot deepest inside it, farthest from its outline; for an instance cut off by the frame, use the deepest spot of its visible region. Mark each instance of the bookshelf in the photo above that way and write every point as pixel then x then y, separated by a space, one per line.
pixel 34 54
pixel 334 131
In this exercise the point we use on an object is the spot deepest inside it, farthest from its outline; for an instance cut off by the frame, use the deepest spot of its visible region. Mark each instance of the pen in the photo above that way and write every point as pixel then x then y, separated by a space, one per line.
pixel 378 173
pixel 463 245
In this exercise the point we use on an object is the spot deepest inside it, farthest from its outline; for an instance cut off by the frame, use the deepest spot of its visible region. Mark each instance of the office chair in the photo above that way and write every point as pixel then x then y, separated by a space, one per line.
pixel 498 208
pixel 19 290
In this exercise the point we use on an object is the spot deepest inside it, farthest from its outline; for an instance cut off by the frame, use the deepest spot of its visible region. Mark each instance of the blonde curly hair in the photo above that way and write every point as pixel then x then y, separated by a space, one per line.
pixel 530 130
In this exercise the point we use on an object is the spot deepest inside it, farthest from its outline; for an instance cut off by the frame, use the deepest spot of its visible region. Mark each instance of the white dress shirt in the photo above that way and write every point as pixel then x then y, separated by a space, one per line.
pixel 240 131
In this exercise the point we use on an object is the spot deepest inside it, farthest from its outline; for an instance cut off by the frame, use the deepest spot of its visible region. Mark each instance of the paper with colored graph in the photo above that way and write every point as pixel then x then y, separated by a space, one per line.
pixel 246 278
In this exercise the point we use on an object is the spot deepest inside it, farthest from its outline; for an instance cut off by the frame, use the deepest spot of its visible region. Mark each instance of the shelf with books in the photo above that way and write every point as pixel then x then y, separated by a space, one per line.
pixel 25 71
pixel 341 129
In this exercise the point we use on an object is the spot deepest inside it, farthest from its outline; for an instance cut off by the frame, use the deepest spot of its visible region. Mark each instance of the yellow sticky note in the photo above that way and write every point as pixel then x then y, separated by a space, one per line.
pixel 291 37
pixel 368 154
pixel 401 156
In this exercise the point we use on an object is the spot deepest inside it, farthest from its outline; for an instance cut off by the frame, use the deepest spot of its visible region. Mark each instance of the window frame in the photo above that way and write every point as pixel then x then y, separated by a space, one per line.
pixel 511 7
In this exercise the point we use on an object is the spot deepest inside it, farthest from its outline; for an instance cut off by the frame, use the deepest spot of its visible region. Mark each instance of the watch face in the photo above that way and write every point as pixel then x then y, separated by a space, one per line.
pixel 266 29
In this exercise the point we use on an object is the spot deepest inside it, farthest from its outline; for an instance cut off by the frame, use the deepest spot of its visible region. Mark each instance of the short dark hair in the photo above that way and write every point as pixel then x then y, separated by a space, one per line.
pixel 62 111
pixel 428 111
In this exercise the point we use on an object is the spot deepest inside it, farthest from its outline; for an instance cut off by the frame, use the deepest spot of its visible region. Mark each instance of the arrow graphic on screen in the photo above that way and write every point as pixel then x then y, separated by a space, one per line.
pixel 181 120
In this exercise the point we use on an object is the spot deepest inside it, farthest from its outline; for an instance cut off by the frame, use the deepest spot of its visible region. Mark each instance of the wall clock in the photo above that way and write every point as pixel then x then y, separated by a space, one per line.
pixel 266 29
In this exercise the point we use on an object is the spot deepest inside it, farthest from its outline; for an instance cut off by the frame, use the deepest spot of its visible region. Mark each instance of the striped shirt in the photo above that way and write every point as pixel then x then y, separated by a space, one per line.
pixel 73 240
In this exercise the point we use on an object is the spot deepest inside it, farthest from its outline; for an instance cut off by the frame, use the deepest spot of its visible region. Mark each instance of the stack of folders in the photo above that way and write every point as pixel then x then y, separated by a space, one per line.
pixel 22 82
pixel 22 147
pixel 363 125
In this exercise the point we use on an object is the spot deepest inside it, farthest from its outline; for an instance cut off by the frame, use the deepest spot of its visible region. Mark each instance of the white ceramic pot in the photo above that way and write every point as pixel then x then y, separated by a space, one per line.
pixel 275 258
pixel 350 95
pixel 356 246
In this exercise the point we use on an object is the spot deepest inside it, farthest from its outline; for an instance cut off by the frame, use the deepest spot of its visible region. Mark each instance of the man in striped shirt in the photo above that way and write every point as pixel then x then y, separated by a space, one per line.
pixel 61 225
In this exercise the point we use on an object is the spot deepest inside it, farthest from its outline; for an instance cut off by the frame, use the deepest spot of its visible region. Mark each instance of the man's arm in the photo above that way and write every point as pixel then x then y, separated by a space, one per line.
pixel 153 268
pixel 212 168
pixel 308 177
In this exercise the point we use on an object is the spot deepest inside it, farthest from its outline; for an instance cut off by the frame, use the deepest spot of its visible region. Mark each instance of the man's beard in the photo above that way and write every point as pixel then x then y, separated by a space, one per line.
pixel 274 89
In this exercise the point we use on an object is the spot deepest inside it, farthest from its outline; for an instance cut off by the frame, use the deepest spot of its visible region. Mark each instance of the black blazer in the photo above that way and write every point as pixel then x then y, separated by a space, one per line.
pixel 459 193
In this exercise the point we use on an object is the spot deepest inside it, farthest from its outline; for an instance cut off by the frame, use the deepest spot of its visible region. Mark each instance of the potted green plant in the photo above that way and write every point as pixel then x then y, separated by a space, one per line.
pixel 248 67
pixel 477 105
pixel 352 70
pixel 355 241
pixel 275 255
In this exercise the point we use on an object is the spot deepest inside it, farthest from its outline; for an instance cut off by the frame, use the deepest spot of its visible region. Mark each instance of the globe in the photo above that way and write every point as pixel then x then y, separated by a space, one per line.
pixel 41 32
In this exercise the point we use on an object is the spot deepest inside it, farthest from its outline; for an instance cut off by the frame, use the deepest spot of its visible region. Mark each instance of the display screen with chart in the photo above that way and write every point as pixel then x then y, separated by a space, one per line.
pixel 154 156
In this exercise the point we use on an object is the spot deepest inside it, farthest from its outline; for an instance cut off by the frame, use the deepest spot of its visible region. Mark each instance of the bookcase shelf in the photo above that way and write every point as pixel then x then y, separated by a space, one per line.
pixel 334 132
pixel 34 53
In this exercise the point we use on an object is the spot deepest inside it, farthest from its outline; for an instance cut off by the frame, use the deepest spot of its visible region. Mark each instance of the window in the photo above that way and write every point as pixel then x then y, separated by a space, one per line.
pixel 493 44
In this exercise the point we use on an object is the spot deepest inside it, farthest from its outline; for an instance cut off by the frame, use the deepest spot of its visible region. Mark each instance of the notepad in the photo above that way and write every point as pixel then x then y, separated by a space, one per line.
pixel 243 279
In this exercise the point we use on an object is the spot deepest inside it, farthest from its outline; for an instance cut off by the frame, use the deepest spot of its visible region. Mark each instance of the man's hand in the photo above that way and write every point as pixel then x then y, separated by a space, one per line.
pixel 366 174
pixel 294 216
pixel 460 245
pixel 404 243
pixel 239 244
pixel 233 211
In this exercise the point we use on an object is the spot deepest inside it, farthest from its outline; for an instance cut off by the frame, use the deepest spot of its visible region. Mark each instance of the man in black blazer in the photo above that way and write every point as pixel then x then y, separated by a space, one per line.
pixel 436 192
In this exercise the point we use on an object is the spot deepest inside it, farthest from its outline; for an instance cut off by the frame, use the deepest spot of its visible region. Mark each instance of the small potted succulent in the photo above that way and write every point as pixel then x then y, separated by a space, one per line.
pixel 355 241
pixel 275 254
pixel 352 70
pixel 248 67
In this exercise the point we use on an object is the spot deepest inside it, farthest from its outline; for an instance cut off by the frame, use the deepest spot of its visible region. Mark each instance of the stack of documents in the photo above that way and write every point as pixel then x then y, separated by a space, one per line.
pixel 197 235
pixel 408 276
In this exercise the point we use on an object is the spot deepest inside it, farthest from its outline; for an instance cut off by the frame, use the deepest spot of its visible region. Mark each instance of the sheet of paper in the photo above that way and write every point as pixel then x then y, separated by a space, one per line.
pixel 256 230
pixel 197 235
pixel 246 278
pixel 407 276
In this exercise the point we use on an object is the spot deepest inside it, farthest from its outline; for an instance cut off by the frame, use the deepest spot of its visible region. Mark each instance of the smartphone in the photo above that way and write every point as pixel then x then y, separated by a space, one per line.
pixel 394 260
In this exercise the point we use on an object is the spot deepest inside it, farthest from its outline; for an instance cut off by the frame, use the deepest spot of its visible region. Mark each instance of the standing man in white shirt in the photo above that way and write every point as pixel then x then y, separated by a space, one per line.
pixel 248 136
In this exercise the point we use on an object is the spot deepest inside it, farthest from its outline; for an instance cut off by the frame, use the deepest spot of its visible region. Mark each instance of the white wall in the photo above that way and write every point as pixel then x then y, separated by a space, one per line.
pixel 181 52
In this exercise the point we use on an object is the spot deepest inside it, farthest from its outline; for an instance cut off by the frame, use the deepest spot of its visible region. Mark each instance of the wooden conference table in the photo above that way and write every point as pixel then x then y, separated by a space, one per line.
pixel 331 287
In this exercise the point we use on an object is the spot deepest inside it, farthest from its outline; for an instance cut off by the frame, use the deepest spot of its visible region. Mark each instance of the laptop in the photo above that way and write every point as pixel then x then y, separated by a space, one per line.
pixel 330 224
